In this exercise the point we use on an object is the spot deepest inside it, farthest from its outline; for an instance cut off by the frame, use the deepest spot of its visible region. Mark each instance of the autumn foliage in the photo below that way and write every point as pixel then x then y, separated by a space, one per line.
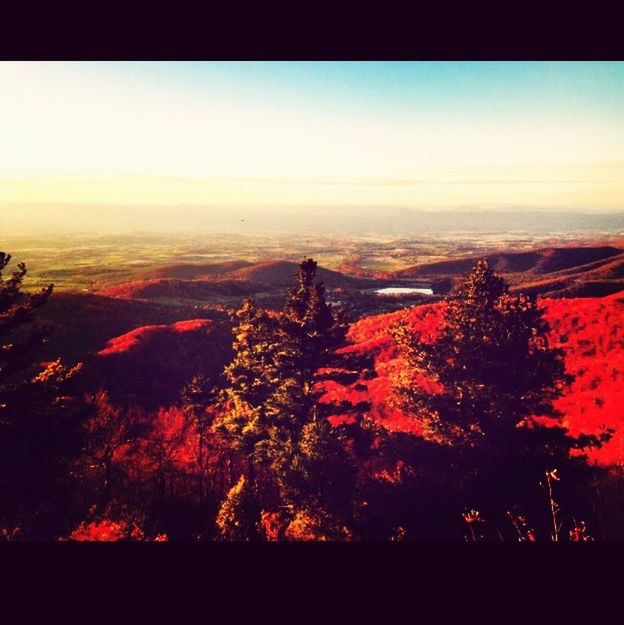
pixel 590 331
pixel 436 421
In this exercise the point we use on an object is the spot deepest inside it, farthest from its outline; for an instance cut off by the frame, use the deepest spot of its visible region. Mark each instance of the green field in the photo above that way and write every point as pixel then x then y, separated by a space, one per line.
pixel 91 263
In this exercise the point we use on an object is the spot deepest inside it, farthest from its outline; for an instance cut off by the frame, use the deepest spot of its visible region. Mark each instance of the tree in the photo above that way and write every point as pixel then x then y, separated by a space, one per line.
pixel 16 312
pixel 39 418
pixel 308 333
pixel 491 362
pixel 274 415
pixel 108 431
pixel 251 375
pixel 239 514
pixel 198 397
pixel 492 370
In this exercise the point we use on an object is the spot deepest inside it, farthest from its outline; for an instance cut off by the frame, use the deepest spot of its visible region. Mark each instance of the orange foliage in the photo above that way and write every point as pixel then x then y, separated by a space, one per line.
pixel 304 528
pixel 272 524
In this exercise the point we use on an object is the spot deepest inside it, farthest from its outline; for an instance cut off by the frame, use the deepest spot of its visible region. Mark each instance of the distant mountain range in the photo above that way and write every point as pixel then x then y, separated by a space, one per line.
pixel 319 220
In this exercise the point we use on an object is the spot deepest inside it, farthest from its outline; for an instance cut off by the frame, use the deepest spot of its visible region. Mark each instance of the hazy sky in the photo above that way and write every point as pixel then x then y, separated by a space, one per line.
pixel 415 135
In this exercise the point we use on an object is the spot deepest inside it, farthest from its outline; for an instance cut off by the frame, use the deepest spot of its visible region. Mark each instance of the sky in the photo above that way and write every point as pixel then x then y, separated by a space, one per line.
pixel 292 135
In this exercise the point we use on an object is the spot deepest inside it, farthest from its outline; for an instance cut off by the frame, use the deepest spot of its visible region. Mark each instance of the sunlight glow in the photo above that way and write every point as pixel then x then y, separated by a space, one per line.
pixel 419 135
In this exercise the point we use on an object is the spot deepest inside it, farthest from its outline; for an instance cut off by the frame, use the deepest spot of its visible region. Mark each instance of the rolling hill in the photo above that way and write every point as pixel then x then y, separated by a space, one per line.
pixel 149 365
pixel 555 272
pixel 81 323
pixel 281 273
pixel 187 271
pixel 538 262
pixel 178 289
pixel 225 283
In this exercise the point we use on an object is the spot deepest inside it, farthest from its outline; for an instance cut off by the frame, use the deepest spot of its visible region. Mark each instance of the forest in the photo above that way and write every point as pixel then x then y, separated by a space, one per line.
pixel 489 414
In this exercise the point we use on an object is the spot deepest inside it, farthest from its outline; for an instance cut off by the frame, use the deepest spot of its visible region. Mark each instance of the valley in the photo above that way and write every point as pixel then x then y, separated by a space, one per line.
pixel 145 315
pixel 127 306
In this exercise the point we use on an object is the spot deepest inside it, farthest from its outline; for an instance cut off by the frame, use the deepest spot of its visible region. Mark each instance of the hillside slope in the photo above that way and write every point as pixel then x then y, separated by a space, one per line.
pixel 281 273
pixel 590 330
pixel 538 262
pixel 149 365
pixel 182 271
pixel 81 323
pixel 170 288
pixel 573 271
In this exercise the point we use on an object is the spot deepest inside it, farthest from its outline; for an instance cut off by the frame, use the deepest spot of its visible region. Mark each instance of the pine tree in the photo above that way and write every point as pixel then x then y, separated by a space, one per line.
pixel 252 377
pixel 274 415
pixel 308 333
pixel 39 419
pixel 16 311
pixel 492 361
pixel 312 466
pixel 495 370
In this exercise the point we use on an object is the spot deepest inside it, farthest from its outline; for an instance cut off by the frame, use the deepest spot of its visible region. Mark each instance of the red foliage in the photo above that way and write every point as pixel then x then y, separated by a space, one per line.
pixel 590 330
pixel 168 447
pixel 107 530
pixel 190 325
pixel 370 335
pixel 143 335
pixel 172 438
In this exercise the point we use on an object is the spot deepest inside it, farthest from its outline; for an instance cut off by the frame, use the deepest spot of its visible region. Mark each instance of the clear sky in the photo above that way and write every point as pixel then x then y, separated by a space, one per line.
pixel 298 134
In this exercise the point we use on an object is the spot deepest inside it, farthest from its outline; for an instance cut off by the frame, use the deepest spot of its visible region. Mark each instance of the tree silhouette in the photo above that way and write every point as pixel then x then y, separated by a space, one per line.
pixel 39 418
pixel 198 397
pixel 492 370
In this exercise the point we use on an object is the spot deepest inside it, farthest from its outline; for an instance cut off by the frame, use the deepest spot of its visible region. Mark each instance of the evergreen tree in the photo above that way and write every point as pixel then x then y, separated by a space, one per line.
pixel 494 370
pixel 308 333
pixel 16 312
pixel 274 414
pixel 492 361
pixel 39 418
pixel 251 377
